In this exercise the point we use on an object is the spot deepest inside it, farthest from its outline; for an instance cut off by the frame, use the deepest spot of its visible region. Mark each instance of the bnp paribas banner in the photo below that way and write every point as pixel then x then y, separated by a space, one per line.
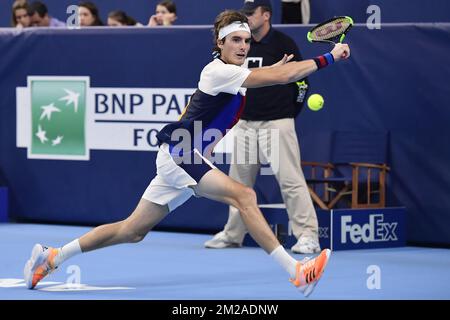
pixel 64 118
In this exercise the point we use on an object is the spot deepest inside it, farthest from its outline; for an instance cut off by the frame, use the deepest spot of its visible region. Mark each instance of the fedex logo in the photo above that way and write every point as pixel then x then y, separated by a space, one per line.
pixel 374 230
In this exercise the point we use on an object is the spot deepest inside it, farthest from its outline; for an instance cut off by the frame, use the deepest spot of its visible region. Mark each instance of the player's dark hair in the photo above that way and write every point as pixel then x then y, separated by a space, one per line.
pixel 222 20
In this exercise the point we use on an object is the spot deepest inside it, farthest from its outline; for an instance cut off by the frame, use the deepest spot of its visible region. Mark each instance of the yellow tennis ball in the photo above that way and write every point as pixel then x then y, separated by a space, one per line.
pixel 315 102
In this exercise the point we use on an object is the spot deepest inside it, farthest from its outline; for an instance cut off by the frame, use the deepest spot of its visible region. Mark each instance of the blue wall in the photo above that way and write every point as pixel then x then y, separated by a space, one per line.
pixel 392 11
pixel 396 81
pixel 204 11
pixel 189 11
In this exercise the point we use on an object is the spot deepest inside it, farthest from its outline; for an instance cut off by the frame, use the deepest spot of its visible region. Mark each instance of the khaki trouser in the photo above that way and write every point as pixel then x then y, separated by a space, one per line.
pixel 288 173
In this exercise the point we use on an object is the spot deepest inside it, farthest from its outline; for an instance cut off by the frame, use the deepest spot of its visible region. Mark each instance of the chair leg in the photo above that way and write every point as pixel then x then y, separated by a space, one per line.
pixel 382 189
pixel 338 196
pixel 317 199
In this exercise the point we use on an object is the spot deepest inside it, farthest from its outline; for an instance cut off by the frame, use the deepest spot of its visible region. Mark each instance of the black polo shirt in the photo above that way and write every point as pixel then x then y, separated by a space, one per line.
pixel 275 102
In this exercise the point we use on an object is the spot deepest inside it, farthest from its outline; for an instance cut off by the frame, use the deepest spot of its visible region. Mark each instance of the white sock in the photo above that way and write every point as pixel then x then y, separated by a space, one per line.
pixel 67 251
pixel 285 260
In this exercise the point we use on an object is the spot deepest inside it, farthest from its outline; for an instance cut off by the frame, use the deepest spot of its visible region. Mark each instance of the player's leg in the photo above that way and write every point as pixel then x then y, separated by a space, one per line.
pixel 160 197
pixel 234 230
pixel 44 260
pixel 244 169
pixel 131 230
pixel 217 186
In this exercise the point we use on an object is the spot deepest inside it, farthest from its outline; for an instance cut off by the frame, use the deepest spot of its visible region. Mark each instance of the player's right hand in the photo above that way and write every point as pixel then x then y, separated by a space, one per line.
pixel 340 51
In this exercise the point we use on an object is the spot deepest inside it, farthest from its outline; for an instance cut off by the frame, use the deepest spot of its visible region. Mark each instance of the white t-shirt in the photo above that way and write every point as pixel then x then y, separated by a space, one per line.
pixel 217 77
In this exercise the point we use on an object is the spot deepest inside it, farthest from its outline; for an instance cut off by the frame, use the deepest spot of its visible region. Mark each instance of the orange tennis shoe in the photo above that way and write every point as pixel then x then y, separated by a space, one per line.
pixel 39 265
pixel 309 271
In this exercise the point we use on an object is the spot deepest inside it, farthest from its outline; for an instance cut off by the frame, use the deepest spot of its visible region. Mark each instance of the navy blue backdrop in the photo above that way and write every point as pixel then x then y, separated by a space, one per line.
pixel 395 81
pixel 204 11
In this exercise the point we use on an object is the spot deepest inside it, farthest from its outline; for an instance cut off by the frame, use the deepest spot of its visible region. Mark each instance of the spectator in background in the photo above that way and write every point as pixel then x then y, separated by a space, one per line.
pixel 39 16
pixel 119 18
pixel 295 11
pixel 88 15
pixel 20 16
pixel 166 14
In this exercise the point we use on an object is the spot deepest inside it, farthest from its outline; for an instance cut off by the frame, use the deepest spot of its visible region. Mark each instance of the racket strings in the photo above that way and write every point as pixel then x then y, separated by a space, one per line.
pixel 331 29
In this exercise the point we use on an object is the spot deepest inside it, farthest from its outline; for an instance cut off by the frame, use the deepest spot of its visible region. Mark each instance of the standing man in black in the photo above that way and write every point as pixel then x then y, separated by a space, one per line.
pixel 272 108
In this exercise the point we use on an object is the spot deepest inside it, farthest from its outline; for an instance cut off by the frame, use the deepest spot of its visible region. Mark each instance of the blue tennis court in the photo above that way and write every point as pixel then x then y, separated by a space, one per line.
pixel 175 266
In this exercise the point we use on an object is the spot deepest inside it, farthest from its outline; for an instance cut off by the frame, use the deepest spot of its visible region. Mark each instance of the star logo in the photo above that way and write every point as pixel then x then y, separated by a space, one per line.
pixel 72 97
pixel 57 140
pixel 48 110
pixel 58 109
pixel 41 134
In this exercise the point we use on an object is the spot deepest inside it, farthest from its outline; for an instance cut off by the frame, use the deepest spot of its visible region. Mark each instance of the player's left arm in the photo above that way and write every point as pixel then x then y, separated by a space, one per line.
pixel 291 72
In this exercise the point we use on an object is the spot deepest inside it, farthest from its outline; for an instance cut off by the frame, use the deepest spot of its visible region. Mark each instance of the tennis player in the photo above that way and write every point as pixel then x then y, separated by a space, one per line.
pixel 184 170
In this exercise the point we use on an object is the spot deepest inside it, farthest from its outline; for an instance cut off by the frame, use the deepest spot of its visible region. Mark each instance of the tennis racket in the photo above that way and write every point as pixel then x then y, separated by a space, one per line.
pixel 331 31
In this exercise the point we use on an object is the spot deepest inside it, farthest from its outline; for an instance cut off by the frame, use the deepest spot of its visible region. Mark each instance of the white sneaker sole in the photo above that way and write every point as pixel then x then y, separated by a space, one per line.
pixel 222 246
pixel 310 288
pixel 37 258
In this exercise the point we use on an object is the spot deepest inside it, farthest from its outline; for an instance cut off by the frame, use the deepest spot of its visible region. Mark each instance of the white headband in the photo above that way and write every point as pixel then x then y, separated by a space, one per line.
pixel 235 26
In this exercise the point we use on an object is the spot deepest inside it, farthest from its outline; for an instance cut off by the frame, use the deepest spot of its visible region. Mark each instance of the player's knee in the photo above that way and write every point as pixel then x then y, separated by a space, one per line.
pixel 246 197
pixel 136 237
pixel 130 234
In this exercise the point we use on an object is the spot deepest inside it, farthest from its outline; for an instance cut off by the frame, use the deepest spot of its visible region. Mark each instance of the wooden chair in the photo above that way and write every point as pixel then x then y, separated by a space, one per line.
pixel 317 175
pixel 357 169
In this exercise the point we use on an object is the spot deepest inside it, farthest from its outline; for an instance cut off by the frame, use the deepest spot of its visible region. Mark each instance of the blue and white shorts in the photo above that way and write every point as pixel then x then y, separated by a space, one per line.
pixel 173 182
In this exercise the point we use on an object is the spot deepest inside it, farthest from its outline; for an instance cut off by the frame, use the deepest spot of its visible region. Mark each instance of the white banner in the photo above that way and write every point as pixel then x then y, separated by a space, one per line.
pixel 115 119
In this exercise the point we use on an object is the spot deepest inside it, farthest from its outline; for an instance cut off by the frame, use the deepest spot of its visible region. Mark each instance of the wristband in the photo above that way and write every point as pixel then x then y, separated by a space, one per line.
pixel 323 61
